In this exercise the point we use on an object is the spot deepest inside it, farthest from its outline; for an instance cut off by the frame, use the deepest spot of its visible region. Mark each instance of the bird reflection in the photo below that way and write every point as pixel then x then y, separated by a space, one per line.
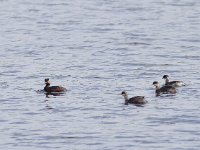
pixel 48 106
pixel 48 94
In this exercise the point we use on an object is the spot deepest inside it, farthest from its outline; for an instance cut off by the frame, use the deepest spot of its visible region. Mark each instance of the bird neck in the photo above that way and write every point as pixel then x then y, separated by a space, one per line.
pixel 157 90
pixel 166 80
pixel 126 99
pixel 47 84
pixel 157 87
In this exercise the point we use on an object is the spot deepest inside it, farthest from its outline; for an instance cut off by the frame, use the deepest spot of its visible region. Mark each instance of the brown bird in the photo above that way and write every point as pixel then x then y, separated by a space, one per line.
pixel 167 89
pixel 173 83
pixel 138 100
pixel 50 89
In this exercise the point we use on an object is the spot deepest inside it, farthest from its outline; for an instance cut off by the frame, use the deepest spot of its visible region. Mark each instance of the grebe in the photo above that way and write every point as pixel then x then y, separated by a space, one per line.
pixel 173 83
pixel 50 89
pixel 134 100
pixel 167 89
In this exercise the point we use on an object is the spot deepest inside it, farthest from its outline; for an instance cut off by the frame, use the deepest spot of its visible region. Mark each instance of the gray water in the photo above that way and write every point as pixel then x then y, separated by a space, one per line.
pixel 97 49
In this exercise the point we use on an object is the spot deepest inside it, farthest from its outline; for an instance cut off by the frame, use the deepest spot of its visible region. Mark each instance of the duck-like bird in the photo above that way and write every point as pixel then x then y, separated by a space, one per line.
pixel 173 83
pixel 138 100
pixel 167 89
pixel 51 89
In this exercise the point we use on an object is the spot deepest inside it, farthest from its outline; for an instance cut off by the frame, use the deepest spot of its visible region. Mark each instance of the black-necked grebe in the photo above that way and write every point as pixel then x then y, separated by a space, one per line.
pixel 50 89
pixel 173 83
pixel 139 100
pixel 167 89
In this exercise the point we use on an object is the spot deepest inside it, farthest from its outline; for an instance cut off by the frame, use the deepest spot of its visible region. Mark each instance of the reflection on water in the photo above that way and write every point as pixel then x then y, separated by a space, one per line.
pixel 49 94
pixel 54 94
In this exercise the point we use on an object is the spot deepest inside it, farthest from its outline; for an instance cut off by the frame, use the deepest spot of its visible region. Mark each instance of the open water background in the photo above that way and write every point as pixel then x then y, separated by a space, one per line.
pixel 97 49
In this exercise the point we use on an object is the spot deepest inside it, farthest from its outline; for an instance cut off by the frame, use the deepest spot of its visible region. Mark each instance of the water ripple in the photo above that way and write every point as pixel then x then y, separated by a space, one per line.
pixel 96 49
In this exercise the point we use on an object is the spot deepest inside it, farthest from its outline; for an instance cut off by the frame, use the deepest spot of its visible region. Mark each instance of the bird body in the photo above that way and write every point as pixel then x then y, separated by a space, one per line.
pixel 138 100
pixel 173 83
pixel 167 89
pixel 51 89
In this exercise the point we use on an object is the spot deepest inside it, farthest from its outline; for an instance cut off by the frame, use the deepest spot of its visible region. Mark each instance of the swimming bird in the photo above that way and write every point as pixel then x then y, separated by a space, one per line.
pixel 138 100
pixel 50 89
pixel 173 83
pixel 167 89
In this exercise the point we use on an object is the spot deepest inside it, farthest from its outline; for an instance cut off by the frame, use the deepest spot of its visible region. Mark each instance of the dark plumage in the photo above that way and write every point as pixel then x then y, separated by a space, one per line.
pixel 167 89
pixel 173 83
pixel 138 100
pixel 51 89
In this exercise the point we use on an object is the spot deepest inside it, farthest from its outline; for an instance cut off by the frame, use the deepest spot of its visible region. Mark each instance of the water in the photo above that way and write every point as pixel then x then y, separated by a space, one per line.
pixel 97 49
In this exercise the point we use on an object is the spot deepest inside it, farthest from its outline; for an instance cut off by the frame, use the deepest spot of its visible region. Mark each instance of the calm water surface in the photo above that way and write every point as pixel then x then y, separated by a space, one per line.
pixel 97 48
